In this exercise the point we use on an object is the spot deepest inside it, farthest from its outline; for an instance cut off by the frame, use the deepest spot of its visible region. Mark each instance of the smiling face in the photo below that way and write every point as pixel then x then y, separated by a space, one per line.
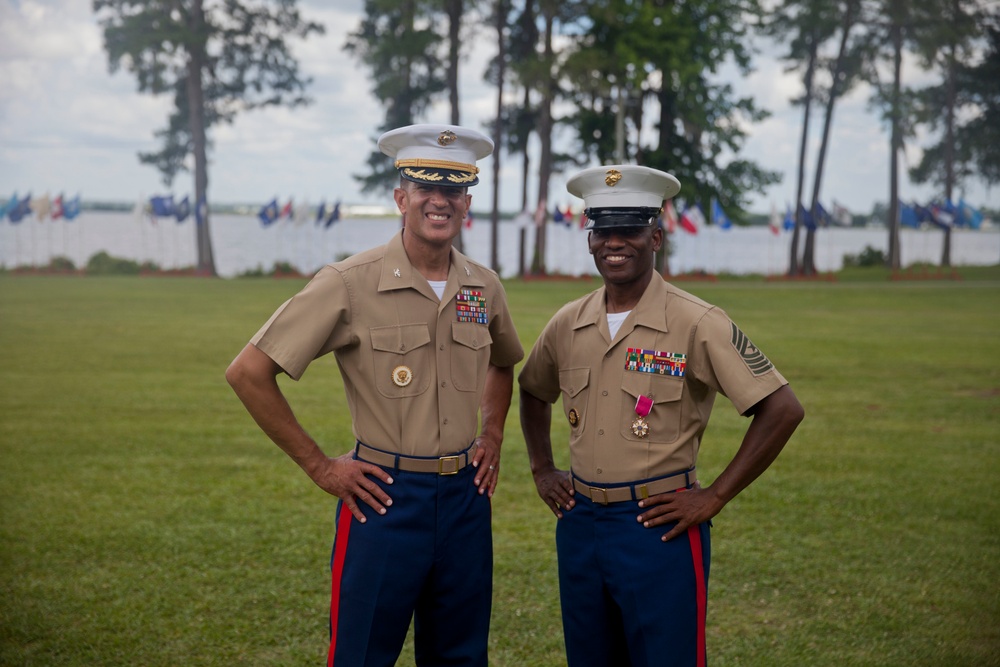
pixel 432 214
pixel 624 255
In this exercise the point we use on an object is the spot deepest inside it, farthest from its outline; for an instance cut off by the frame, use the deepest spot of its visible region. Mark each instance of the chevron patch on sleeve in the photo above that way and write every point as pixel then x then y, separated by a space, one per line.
pixel 752 357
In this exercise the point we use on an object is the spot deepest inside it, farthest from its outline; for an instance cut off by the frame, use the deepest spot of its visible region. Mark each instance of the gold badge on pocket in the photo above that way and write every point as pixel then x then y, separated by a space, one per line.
pixel 574 417
pixel 402 376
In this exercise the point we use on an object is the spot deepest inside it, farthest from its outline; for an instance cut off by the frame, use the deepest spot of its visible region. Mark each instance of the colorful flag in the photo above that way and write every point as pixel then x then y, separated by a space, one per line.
pixel 941 216
pixel 334 216
pixel 971 216
pixel 908 215
pixel 268 212
pixel 57 207
pixel 557 216
pixel 163 207
pixel 467 223
pixel 301 214
pixel 286 211
pixel 20 209
pixel 321 212
pixel 669 216
pixel 789 222
pixel 807 218
pixel 41 206
pixel 719 217
pixel 541 213
pixel 775 221
pixel 71 208
pixel 182 210
pixel 201 211
pixel 841 215
pixel 692 218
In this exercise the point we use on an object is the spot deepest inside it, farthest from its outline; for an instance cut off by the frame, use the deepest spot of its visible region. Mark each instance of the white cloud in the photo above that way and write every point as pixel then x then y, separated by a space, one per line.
pixel 66 124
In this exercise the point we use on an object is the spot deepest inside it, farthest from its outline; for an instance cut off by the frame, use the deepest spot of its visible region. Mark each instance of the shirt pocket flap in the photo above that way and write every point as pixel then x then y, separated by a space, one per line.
pixel 400 339
pixel 662 389
pixel 573 380
pixel 471 335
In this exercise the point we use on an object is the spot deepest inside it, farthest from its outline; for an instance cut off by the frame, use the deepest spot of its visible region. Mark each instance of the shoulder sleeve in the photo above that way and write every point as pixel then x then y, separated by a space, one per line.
pixel 724 358
pixel 540 374
pixel 506 348
pixel 310 324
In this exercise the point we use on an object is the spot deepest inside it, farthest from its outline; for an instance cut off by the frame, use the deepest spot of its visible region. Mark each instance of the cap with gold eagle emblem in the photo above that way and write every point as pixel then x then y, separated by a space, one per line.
pixel 442 155
pixel 622 195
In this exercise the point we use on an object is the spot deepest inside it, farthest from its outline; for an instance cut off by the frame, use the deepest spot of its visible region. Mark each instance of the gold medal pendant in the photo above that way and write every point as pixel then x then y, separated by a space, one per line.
pixel 640 428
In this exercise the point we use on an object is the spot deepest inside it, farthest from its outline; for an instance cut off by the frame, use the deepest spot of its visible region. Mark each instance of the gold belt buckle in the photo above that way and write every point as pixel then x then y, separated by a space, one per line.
pixel 441 462
pixel 593 495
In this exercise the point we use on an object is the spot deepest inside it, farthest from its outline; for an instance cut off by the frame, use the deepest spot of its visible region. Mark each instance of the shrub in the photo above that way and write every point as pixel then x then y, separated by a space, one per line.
pixel 103 264
pixel 868 257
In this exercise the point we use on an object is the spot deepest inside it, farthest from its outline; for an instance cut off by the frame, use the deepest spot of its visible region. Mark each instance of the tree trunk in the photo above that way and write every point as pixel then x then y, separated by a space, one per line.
pixel 949 141
pixel 893 258
pixel 501 10
pixel 793 260
pixel 196 111
pixel 809 253
pixel 454 11
pixel 545 135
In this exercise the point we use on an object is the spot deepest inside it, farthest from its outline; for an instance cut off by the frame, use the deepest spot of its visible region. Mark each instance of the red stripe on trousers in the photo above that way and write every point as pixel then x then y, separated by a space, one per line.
pixel 337 572
pixel 701 595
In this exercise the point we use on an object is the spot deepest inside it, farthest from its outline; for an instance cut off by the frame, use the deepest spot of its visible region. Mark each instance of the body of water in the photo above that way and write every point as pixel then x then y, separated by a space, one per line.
pixel 242 244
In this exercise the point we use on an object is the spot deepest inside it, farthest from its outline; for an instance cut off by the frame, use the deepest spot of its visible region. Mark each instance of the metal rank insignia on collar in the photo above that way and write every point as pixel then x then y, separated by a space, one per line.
pixel 470 306
pixel 402 376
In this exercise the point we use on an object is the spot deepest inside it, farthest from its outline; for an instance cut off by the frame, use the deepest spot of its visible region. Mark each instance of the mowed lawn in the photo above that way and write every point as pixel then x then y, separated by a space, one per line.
pixel 145 520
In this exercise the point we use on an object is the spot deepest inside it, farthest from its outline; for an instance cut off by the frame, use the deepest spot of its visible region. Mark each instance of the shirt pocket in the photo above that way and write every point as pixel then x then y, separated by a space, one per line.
pixel 664 417
pixel 402 359
pixel 574 384
pixel 470 355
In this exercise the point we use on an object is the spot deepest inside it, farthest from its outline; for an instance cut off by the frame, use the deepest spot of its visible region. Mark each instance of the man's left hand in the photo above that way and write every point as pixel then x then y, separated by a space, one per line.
pixel 687 507
pixel 487 464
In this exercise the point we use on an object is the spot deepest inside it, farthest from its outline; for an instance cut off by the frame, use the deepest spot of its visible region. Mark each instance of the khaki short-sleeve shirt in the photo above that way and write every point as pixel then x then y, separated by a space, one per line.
pixel 414 367
pixel 674 349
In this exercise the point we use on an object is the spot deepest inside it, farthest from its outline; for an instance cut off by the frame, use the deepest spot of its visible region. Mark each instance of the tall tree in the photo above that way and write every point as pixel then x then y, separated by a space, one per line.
pixel 809 23
pixel 843 73
pixel 664 55
pixel 398 44
pixel 948 33
pixel 217 58
pixel 497 74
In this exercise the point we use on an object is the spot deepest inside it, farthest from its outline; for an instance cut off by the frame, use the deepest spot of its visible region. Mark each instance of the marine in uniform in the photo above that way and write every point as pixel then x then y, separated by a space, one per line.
pixel 425 343
pixel 638 364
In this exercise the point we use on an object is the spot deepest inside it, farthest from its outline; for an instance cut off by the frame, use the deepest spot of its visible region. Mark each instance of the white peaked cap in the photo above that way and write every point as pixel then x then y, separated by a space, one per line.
pixel 623 186
pixel 437 154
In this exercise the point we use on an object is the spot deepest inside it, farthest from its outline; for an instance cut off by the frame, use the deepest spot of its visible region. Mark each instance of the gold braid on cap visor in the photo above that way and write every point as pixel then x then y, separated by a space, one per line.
pixel 438 164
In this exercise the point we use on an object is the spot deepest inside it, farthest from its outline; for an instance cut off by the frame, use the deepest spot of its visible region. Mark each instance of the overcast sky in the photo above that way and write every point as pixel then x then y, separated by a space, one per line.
pixel 68 125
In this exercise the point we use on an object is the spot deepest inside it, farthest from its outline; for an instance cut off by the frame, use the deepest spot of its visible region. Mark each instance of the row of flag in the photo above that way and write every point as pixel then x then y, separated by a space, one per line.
pixel 691 218
pixel 17 208
pixel 325 215
pixel 164 206
pixel 944 214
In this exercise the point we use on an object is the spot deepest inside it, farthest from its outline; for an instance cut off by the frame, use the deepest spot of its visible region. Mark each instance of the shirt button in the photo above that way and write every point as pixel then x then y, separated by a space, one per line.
pixel 600 472
pixel 443 384
pixel 601 432
pixel 442 346
pixel 604 393
pixel 445 421
pixel 402 347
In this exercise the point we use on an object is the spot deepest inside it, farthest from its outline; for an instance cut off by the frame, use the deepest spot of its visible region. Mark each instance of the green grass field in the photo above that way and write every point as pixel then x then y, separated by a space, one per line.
pixel 144 520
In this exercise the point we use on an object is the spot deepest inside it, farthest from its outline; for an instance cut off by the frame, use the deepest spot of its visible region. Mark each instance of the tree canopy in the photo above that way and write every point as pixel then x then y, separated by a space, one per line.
pixel 217 58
